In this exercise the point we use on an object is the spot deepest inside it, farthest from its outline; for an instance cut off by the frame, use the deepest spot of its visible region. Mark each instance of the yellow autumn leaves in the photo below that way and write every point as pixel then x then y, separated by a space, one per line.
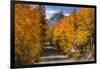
pixel 71 32
pixel 75 31
pixel 64 34
pixel 82 36
pixel 28 24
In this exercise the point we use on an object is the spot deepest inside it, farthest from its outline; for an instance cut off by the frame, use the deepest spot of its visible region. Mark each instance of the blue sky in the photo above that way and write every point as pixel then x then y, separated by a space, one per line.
pixel 50 10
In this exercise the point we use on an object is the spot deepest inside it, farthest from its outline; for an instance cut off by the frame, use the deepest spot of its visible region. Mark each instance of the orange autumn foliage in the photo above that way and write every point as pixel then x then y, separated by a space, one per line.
pixel 85 24
pixel 28 23
pixel 64 33
pixel 75 29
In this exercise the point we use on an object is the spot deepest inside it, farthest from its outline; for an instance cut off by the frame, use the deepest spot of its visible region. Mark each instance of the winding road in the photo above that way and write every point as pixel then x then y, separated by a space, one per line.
pixel 52 55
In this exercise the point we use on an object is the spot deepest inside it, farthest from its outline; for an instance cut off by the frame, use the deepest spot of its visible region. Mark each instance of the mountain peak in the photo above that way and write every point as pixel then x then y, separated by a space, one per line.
pixel 55 18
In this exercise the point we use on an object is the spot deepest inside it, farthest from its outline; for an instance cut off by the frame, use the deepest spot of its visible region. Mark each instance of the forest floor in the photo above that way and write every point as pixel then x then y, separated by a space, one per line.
pixel 52 55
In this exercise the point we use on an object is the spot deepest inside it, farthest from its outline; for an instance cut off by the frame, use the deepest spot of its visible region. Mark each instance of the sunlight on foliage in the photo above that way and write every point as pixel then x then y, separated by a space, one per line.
pixel 28 22
pixel 75 31
pixel 72 35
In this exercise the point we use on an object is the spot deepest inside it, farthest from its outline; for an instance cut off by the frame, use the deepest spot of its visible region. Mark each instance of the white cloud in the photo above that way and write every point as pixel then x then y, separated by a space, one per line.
pixel 48 16
pixel 67 14
pixel 51 11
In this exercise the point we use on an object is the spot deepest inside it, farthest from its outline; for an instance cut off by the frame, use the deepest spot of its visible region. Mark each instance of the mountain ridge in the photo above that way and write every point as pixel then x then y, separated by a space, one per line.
pixel 55 18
